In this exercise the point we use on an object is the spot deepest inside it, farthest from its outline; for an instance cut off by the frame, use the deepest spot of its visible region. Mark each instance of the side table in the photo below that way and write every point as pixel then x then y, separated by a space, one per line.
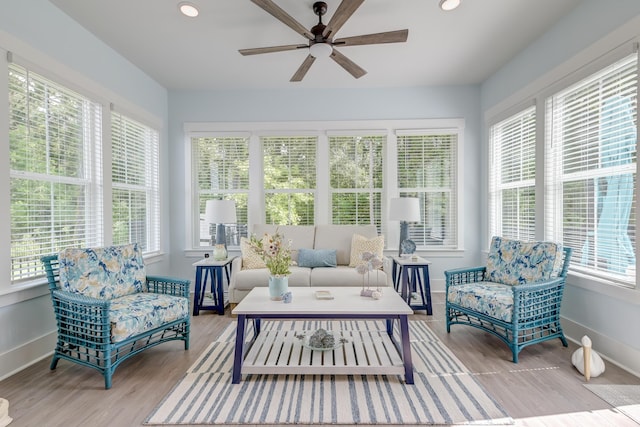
pixel 209 269
pixel 410 277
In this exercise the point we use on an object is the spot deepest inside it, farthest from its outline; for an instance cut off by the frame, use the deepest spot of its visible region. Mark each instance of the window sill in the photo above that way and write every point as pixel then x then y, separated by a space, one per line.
pixel 18 293
pixel 603 287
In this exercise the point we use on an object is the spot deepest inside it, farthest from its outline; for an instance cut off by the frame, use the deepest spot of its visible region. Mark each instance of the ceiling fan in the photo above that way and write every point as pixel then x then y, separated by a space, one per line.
pixel 321 41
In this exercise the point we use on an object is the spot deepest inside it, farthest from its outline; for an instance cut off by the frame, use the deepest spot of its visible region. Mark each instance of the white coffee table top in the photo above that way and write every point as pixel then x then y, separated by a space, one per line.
pixel 345 300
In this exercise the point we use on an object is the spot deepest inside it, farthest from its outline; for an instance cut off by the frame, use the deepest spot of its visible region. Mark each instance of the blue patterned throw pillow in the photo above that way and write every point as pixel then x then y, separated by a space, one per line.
pixel 317 258
pixel 514 262
pixel 105 273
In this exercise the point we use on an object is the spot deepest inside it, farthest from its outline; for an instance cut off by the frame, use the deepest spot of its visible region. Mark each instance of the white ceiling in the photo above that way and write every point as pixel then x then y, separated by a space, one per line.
pixel 464 46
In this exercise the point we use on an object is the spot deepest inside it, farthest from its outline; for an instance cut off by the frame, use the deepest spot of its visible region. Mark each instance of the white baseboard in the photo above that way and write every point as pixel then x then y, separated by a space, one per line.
pixel 615 352
pixel 19 358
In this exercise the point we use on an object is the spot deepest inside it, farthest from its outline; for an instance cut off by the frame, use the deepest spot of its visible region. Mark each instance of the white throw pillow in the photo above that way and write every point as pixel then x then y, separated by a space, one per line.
pixel 360 244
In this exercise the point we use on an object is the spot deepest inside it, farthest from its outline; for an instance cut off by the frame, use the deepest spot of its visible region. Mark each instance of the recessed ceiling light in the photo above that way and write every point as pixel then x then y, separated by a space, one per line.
pixel 449 4
pixel 188 9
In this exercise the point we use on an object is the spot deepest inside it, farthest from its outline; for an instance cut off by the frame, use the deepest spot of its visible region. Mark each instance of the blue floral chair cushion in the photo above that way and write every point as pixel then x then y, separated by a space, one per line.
pixel 513 262
pixel 492 299
pixel 133 314
pixel 104 273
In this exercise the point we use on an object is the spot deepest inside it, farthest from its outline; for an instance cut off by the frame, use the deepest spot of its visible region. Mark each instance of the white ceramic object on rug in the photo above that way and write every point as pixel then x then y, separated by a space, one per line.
pixel 5 419
pixel 587 362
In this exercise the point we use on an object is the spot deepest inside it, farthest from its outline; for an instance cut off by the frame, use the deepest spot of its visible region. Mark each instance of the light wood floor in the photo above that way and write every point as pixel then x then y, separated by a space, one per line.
pixel 542 390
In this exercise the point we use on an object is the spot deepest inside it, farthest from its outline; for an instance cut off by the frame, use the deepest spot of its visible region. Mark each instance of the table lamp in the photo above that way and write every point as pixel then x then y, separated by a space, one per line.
pixel 220 212
pixel 405 210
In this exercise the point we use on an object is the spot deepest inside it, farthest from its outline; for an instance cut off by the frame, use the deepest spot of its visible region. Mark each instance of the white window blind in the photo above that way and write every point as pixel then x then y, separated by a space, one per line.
pixel 512 176
pixel 135 183
pixel 427 169
pixel 591 171
pixel 222 168
pixel 56 188
pixel 289 179
pixel 356 179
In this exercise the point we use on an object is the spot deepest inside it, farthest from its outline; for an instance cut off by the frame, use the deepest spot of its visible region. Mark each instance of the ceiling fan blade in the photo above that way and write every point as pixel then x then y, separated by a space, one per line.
pixel 354 69
pixel 342 13
pixel 398 36
pixel 284 17
pixel 302 70
pixel 259 50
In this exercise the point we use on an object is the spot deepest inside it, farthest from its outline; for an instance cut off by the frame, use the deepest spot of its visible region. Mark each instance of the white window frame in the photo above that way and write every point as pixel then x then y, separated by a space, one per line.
pixel 612 48
pixel 43 65
pixel 150 142
pixel 496 165
pixel 555 178
pixel 91 181
pixel 322 129
pixel 200 194
pixel 371 191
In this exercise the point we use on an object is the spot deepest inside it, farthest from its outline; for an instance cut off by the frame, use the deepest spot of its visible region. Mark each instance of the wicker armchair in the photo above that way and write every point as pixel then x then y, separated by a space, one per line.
pixel 516 297
pixel 108 310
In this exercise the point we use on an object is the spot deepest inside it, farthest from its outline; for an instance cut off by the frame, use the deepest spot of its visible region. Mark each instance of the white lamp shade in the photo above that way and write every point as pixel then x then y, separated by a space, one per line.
pixel 404 209
pixel 220 212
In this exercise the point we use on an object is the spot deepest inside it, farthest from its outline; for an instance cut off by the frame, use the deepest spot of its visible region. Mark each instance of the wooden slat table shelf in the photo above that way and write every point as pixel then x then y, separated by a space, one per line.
pixel 365 352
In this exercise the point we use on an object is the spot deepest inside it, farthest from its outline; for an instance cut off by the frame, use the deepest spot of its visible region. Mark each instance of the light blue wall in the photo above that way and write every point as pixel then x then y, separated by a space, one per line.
pixel 37 28
pixel 612 320
pixel 337 104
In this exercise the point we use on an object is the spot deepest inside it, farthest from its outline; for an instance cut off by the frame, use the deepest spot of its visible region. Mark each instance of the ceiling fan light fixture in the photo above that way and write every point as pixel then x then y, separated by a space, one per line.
pixel 320 50
pixel 188 9
pixel 448 5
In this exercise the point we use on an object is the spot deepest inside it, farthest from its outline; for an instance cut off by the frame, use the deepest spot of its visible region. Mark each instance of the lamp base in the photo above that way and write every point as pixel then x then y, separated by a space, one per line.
pixel 221 236
pixel 404 235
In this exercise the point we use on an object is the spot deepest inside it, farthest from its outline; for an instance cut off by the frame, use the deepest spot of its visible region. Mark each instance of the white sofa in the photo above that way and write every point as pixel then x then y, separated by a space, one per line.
pixel 336 237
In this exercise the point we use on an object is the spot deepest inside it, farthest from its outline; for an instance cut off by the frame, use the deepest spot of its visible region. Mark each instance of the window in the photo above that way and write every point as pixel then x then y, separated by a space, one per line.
pixel 427 169
pixel 222 172
pixel 591 171
pixel 289 179
pixel 355 164
pixel 328 172
pixel 56 187
pixel 135 187
pixel 512 171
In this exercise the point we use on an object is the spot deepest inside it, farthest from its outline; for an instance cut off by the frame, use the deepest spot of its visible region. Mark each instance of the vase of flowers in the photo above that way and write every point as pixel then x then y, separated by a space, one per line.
pixel 276 254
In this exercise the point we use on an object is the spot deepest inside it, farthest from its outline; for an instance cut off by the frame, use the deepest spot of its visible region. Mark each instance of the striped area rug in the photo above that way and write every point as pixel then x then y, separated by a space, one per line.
pixel 444 391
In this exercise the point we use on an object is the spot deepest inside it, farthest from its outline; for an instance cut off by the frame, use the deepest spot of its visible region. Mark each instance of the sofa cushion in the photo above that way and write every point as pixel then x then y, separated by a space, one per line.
pixel 249 279
pixel 360 244
pixel 339 237
pixel 346 276
pixel 492 299
pixel 317 258
pixel 105 273
pixel 137 313
pixel 513 262
pixel 250 258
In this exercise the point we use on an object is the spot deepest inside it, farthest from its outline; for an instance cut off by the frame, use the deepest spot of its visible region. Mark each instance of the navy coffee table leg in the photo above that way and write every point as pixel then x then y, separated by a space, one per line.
pixel 237 360
pixel 406 350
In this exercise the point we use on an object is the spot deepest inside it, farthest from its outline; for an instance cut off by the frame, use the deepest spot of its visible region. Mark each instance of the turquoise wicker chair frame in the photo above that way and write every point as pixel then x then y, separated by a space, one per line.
pixel 536 309
pixel 84 330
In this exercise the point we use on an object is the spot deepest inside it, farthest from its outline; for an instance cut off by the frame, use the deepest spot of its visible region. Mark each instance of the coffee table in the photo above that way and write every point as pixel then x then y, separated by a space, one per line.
pixel 280 352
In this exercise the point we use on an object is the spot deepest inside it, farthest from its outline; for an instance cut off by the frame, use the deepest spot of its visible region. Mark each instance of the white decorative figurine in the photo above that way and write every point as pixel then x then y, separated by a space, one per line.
pixel 587 362
pixel 5 419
